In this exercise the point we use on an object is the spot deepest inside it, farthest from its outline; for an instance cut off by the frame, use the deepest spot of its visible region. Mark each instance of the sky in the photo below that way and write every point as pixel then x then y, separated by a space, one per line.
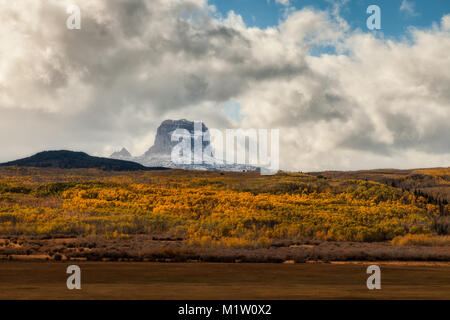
pixel 397 15
pixel 343 97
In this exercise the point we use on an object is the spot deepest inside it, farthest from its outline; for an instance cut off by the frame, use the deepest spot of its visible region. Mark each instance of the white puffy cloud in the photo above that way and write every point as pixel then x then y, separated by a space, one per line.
pixel 382 100
pixel 374 103
pixel 446 22
pixel 408 8
pixel 283 2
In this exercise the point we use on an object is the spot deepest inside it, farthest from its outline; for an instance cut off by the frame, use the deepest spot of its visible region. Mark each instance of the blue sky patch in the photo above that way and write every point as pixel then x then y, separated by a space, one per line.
pixel 397 15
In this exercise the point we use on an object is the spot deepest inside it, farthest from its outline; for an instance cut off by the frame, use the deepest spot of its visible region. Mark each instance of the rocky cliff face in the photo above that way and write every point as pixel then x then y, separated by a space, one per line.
pixel 163 142
pixel 159 155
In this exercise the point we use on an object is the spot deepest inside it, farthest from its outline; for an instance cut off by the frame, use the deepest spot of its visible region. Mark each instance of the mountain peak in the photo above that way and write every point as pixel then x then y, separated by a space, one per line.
pixel 163 141
pixel 160 153
pixel 122 154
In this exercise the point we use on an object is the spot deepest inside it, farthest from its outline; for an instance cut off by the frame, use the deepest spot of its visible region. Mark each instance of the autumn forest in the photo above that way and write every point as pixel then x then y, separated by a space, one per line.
pixel 215 210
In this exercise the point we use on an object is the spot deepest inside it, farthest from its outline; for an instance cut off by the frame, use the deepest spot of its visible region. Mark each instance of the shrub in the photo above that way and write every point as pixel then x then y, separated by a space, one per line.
pixel 421 240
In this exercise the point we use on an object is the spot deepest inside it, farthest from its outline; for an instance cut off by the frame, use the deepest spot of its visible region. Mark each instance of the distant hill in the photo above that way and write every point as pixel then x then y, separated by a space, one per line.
pixel 433 183
pixel 76 160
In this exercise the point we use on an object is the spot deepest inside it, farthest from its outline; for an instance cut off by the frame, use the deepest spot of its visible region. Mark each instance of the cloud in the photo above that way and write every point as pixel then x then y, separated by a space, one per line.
pixel 408 7
pixel 283 2
pixel 375 103
pixel 382 100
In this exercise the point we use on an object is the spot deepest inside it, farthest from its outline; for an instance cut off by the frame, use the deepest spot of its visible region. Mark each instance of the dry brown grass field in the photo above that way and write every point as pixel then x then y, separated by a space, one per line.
pixel 217 281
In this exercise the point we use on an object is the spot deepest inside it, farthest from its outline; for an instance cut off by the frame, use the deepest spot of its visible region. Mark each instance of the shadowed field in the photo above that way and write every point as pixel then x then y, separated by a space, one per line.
pixel 39 280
